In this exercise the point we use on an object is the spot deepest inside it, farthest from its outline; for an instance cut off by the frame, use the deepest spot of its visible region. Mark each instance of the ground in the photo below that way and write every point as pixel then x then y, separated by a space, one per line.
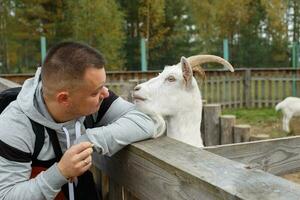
pixel 267 121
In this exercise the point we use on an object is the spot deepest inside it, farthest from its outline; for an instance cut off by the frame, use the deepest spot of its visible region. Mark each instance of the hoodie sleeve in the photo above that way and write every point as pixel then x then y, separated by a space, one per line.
pixel 121 125
pixel 16 148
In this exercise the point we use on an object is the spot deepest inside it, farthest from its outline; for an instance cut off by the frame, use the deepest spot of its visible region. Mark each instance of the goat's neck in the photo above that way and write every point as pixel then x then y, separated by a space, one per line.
pixel 185 127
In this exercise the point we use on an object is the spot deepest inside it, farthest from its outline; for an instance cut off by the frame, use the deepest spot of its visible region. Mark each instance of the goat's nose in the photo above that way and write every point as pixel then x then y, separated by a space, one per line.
pixel 137 88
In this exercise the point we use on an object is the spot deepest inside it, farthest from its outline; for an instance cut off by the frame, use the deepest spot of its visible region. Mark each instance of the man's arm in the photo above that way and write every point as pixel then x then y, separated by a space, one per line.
pixel 16 145
pixel 121 125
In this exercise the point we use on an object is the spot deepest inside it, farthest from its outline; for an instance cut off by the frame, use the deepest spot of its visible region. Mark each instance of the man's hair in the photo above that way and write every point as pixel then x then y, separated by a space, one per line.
pixel 66 63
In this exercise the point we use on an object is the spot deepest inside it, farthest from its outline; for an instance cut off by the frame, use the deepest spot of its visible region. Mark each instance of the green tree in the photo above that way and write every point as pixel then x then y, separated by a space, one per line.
pixel 255 29
pixel 165 24
pixel 99 23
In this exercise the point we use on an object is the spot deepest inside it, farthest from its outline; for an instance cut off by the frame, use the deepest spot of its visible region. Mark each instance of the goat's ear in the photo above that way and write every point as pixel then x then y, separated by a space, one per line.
pixel 187 71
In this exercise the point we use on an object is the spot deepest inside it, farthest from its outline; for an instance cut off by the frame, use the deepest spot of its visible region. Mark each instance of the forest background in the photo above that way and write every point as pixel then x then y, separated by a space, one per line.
pixel 260 33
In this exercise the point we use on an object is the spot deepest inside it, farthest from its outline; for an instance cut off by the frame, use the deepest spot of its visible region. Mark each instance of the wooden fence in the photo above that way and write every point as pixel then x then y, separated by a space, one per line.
pixel 244 88
pixel 168 169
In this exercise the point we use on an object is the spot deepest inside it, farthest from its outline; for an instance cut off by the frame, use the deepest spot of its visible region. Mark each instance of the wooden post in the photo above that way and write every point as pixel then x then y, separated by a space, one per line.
pixel 202 121
pixel 241 133
pixel 247 88
pixel 211 114
pixel 226 128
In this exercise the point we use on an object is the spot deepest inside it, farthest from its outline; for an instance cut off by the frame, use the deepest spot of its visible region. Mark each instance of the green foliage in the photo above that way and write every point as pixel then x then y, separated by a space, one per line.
pixel 99 23
pixel 254 115
pixel 259 31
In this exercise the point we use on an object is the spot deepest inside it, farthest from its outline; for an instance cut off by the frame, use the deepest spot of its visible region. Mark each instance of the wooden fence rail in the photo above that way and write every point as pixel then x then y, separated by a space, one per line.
pixel 244 88
pixel 167 169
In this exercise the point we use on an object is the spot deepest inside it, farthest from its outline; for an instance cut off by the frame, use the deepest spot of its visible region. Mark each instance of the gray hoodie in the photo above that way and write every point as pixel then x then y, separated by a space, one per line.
pixel 122 124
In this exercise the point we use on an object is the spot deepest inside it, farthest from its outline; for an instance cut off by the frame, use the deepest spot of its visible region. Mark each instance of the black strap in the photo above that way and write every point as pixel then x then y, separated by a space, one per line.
pixel 106 103
pixel 11 153
pixel 55 143
pixel 39 132
pixel 89 122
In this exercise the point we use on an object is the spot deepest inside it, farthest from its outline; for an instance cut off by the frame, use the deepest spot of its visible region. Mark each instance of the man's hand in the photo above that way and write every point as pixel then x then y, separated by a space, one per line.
pixel 76 160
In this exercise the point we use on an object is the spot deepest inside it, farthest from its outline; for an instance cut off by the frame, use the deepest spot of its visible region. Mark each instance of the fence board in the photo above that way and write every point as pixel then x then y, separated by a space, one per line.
pixel 168 169
pixel 276 156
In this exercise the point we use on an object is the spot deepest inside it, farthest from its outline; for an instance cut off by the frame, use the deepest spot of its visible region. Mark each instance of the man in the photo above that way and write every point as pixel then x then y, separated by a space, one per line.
pixel 69 86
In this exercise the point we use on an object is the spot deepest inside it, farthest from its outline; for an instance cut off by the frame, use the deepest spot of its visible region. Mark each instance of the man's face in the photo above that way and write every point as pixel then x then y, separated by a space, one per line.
pixel 87 98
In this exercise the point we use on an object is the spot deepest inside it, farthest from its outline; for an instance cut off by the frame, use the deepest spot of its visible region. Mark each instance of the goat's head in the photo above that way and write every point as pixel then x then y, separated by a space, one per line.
pixel 175 88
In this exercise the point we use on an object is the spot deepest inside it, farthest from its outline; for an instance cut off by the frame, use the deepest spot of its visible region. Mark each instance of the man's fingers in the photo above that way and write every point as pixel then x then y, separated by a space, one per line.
pixel 86 167
pixel 84 154
pixel 86 161
pixel 77 148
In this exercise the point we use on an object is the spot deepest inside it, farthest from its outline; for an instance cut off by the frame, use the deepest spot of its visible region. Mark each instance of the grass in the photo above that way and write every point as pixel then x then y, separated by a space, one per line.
pixel 262 120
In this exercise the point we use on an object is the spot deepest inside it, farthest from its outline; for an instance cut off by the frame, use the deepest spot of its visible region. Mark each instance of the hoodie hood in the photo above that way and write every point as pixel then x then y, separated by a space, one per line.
pixel 31 102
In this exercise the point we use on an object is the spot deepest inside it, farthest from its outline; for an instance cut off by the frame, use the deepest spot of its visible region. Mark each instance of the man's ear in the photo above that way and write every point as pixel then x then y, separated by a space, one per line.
pixel 63 98
pixel 187 71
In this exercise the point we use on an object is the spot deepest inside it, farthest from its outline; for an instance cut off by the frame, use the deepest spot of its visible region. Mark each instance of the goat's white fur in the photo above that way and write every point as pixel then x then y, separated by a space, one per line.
pixel 290 107
pixel 173 97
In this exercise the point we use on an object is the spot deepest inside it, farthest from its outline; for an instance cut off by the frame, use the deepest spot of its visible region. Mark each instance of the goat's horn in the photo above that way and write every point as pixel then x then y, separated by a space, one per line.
pixel 200 59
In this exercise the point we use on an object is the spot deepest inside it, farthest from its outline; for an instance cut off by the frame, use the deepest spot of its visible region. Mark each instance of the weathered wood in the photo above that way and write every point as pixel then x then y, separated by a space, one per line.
pixel 247 88
pixel 259 137
pixel 5 84
pixel 129 196
pixel 168 169
pixel 276 156
pixel 226 128
pixel 241 133
pixel 115 190
pixel 211 114
pixel 104 186
pixel 204 102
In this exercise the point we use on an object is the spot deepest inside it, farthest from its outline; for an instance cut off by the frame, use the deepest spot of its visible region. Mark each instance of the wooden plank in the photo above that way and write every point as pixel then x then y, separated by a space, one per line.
pixel 168 169
pixel 115 190
pixel 256 97
pixel 276 87
pixel 284 89
pixel 224 100
pixel 276 156
pixel 235 91
pixel 239 94
pixel 229 91
pixel 218 90
pixel 5 84
pixel 129 196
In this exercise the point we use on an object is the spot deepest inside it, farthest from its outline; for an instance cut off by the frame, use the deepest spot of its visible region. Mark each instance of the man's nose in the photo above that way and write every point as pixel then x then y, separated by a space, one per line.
pixel 104 93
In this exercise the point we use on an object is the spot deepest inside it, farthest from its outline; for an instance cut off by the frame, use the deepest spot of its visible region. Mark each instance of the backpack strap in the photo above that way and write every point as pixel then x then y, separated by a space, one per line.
pixel 7 96
pixel 55 143
pixel 105 105
pixel 39 132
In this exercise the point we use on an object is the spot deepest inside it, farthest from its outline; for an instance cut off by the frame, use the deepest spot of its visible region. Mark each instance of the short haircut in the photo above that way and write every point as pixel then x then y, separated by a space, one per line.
pixel 66 63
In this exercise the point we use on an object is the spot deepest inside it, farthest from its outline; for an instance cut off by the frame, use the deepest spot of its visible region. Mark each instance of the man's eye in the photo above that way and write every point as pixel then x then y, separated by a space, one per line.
pixel 94 94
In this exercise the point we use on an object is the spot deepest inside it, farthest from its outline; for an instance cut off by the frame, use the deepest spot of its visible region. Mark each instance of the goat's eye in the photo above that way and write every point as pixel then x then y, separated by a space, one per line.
pixel 171 79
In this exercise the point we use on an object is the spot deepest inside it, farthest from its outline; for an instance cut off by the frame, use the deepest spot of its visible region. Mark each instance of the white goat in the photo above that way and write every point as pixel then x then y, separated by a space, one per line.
pixel 173 99
pixel 290 107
